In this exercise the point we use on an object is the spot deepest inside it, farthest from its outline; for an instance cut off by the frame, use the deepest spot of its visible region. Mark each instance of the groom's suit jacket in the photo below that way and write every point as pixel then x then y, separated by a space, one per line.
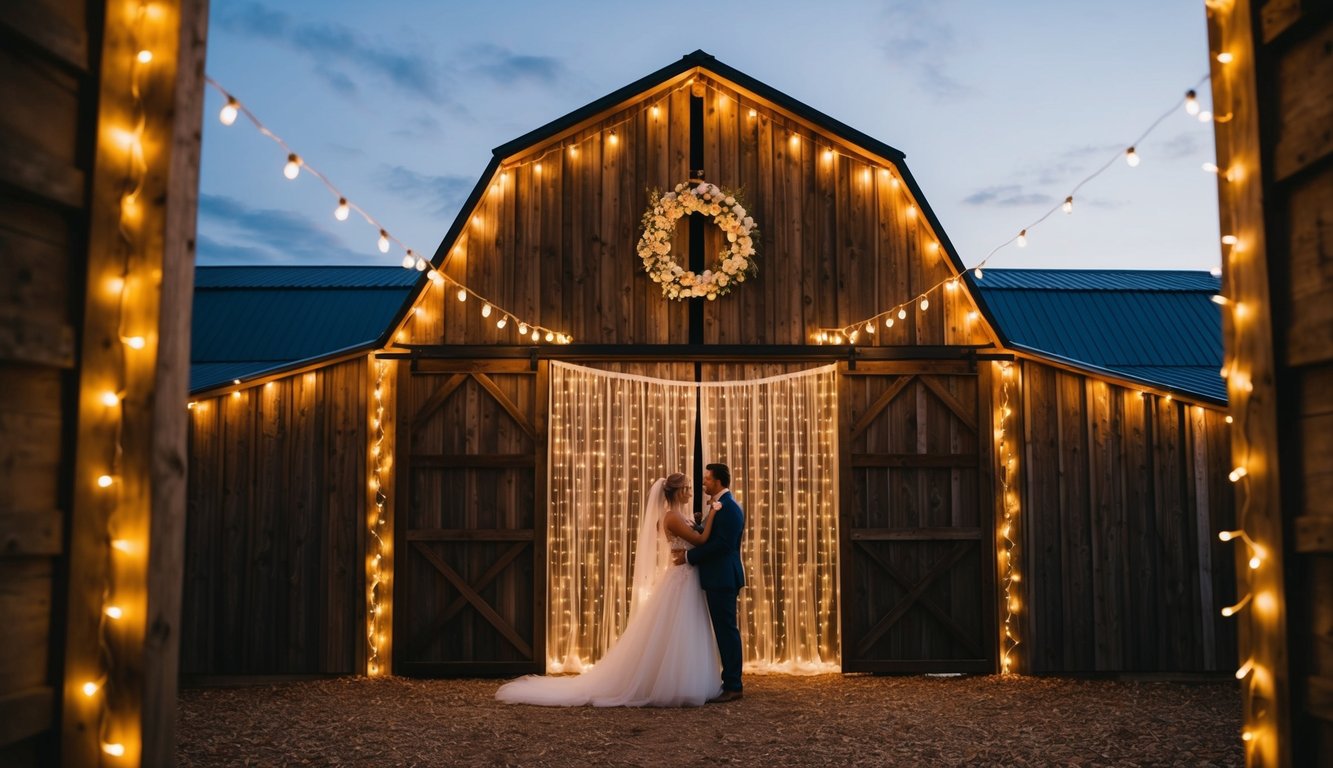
pixel 719 558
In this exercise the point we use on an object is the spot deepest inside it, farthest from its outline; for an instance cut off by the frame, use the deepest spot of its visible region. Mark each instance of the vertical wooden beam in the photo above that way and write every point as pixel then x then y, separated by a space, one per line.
pixel 139 286
pixel 1253 384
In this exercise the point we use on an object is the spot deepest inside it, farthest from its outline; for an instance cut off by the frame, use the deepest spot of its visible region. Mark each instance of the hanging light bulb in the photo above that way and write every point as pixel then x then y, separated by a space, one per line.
pixel 1023 239
pixel 612 138
pixel 502 322
pixel 870 327
pixel 902 314
pixel 145 56
pixel 522 329
pixel 549 336
pixel 1205 116
pixel 227 115
pixel 535 335
pixel 1068 205
pixel 486 310
pixel 383 242
pixel 421 264
pixel 110 399
pixel 1131 157
pixel 1224 57
pixel 340 213
pixel 925 303
pixel 293 167
pixel 1191 102
pixel 978 273
pixel 409 262
pixel 462 294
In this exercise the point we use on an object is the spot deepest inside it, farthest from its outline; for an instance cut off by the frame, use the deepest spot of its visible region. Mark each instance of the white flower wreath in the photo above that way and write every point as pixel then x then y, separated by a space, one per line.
pixel 735 262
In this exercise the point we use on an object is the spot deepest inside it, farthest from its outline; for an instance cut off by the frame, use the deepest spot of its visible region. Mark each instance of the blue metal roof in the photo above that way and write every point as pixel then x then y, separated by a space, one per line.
pixel 249 320
pixel 1158 327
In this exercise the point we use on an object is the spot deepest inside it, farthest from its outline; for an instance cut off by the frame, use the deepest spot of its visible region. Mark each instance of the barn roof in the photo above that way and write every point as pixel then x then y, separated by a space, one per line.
pixel 256 320
pixel 1156 327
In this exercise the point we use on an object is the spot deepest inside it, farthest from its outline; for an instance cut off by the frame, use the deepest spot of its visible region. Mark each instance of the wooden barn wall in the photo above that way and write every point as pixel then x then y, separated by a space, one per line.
pixel 273 571
pixel 553 239
pixel 46 78
pixel 1123 496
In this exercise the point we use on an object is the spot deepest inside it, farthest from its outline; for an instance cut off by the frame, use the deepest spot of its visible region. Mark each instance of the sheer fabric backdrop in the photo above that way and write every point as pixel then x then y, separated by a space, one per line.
pixel 778 436
pixel 612 434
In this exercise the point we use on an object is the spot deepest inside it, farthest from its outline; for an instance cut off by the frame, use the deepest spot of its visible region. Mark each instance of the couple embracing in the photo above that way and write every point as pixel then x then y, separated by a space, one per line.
pixel 682 645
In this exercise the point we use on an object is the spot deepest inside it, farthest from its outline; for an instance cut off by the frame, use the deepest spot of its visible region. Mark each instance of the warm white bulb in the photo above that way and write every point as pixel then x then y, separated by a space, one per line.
pixel 110 399
pixel 462 294
pixel 421 264
pixel 340 213
pixel 870 327
pixel 1205 116
pixel 105 481
pixel 293 167
pixel 925 304
pixel 1210 168
pixel 486 310
pixel 135 342
pixel 229 111
pixel 1237 473
pixel 902 314
pixel 1023 239
pixel 502 322
pixel 383 242
pixel 522 329
pixel 409 262
pixel 535 335
pixel 1191 102
pixel 1068 205
pixel 145 56
pixel 115 750
pixel 114 611
pixel 1131 157
pixel 888 322
pixel 1225 57
pixel 1229 240
pixel 89 689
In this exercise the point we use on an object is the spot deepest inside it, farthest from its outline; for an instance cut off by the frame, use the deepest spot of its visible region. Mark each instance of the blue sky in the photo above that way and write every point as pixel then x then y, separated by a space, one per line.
pixel 1000 107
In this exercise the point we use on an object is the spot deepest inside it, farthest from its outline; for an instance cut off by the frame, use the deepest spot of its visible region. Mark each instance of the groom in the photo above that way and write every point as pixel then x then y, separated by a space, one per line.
pixel 721 575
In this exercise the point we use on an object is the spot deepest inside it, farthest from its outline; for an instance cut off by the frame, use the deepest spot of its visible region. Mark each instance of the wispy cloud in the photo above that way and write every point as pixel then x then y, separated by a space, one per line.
pixel 437 195
pixel 1007 196
pixel 1180 146
pixel 232 232
pixel 338 50
pixel 505 67
pixel 917 42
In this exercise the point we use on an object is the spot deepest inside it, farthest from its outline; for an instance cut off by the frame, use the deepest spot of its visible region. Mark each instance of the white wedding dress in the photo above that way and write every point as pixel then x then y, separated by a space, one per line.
pixel 667 655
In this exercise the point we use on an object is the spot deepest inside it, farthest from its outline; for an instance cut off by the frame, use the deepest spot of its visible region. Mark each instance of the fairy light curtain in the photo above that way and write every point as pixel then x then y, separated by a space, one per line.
pixel 611 435
pixel 779 437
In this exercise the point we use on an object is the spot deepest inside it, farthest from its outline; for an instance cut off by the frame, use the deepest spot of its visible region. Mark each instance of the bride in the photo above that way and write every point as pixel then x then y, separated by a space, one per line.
pixel 667 655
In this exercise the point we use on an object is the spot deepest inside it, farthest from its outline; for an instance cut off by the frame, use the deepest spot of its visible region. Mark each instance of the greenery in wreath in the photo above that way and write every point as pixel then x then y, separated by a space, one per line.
pixel 736 260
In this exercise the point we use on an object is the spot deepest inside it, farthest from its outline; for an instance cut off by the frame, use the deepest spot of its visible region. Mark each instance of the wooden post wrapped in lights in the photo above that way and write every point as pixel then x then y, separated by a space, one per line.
pixel 126 531
pixel 379 521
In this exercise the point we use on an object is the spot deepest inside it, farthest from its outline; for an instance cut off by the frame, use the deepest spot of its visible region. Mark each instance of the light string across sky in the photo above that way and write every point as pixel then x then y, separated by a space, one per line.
pixel 848 333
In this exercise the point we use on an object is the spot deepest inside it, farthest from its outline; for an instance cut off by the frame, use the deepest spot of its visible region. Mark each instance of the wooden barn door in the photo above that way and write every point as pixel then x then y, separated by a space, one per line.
pixel 471 565
pixel 916 519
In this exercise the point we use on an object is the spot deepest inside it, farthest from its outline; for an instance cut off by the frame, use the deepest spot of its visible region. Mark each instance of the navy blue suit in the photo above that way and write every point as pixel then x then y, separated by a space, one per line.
pixel 721 575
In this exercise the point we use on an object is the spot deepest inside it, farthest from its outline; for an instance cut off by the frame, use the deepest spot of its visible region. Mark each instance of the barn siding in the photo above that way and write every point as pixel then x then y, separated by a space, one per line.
pixel 1123 496
pixel 553 236
pixel 274 571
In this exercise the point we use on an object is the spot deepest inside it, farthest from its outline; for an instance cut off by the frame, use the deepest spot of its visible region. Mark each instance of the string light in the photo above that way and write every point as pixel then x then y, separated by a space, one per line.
pixel 1067 205
pixel 1009 501
pixel 376 590
pixel 296 164
pixel 1191 102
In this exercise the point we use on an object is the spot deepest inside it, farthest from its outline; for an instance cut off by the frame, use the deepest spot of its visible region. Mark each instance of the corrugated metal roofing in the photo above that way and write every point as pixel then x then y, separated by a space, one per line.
pixel 304 277
pixel 253 319
pixel 1158 327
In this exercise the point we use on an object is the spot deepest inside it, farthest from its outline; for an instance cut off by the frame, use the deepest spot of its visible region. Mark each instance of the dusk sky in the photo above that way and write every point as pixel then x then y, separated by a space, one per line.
pixel 1000 107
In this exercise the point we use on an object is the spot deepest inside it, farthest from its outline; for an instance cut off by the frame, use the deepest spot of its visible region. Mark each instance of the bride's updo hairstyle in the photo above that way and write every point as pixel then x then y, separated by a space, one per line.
pixel 675 487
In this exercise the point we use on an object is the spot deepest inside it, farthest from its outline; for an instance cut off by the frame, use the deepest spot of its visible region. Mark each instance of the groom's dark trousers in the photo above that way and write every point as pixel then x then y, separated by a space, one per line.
pixel 721 576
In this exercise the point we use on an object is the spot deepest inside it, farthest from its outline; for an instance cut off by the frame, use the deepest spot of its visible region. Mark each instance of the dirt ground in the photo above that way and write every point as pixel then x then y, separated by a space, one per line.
pixel 830 720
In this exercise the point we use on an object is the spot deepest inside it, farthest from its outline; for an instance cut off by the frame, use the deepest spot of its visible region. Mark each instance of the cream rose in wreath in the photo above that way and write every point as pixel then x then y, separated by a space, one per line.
pixel 735 262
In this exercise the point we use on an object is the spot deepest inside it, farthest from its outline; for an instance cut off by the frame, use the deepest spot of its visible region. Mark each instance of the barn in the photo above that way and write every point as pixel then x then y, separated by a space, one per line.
pixel 437 470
